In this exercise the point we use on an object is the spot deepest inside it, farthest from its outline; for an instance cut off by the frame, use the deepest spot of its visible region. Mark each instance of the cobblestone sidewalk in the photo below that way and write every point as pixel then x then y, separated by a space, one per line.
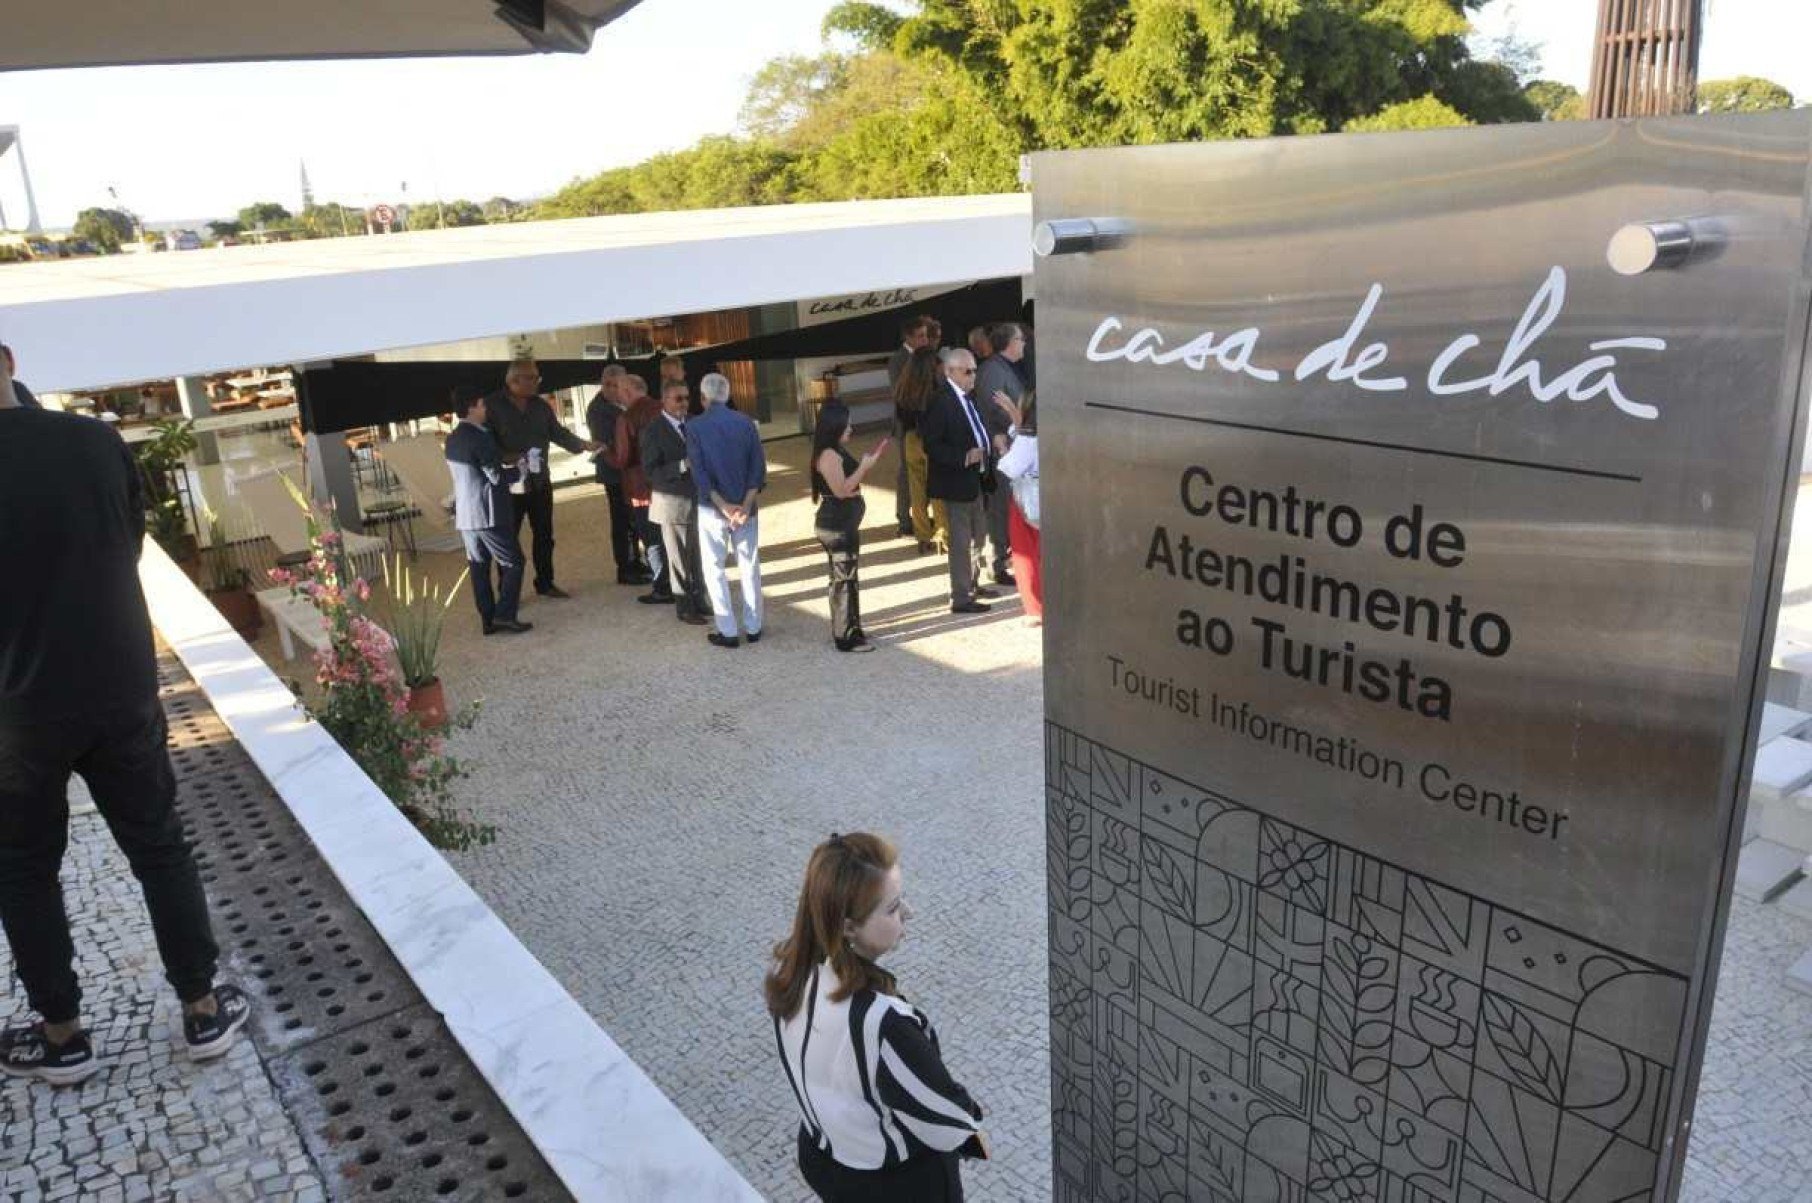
pixel 152 1125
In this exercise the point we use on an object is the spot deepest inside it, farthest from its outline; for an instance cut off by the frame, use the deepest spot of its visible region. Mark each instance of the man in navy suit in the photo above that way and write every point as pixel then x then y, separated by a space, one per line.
pixel 956 450
pixel 484 515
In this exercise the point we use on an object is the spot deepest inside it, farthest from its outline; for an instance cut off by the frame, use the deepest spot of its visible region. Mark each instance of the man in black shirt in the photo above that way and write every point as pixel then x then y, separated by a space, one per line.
pixel 524 424
pixel 26 398
pixel 78 693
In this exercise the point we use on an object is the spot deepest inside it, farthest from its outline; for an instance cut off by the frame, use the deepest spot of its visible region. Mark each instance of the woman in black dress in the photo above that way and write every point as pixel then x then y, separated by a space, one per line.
pixel 837 488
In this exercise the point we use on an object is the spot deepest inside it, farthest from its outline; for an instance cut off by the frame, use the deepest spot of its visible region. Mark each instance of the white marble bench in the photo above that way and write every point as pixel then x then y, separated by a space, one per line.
pixel 295 618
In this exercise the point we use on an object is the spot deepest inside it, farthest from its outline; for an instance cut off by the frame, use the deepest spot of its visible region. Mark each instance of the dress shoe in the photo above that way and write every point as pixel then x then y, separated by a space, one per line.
pixel 971 607
pixel 905 530
pixel 657 598
pixel 692 618
pixel 984 591
pixel 753 636
pixel 1006 579
pixel 554 591
pixel 854 645
pixel 634 578
pixel 716 640
pixel 508 627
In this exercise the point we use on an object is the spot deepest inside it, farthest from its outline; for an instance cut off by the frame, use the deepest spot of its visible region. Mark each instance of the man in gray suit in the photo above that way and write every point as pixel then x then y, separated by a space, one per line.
pixel 484 515
pixel 999 374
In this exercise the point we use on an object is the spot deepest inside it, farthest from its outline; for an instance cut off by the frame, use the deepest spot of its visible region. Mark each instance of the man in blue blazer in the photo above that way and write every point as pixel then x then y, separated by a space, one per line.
pixel 484 515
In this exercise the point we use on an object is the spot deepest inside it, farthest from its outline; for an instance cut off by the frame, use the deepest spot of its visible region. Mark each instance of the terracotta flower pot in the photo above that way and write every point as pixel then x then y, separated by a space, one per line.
pixel 239 608
pixel 428 703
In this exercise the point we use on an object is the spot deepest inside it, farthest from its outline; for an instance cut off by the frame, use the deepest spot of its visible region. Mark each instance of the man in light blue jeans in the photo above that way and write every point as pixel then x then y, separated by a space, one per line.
pixel 729 470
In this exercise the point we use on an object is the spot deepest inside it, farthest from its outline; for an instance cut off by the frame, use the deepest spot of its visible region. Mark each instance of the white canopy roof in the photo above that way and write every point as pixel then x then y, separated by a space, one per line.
pixel 84 323
pixel 91 33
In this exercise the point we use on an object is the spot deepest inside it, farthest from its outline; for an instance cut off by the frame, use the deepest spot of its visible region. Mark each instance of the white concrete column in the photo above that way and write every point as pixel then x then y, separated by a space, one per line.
pixel 192 395
pixel 330 479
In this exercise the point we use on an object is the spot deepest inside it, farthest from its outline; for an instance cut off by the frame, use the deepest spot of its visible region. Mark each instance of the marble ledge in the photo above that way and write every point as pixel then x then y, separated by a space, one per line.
pixel 604 1127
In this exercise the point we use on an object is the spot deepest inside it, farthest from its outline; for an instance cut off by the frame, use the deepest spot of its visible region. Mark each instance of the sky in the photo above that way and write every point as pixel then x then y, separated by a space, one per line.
pixel 189 143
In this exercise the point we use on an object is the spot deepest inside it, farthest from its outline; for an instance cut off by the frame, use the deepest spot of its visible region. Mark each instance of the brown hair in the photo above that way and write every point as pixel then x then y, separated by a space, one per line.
pixel 919 380
pixel 979 345
pixel 843 883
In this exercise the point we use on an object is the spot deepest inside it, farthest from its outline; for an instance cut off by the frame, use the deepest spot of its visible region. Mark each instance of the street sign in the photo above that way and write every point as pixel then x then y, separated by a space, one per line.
pixel 384 215
pixel 1413 522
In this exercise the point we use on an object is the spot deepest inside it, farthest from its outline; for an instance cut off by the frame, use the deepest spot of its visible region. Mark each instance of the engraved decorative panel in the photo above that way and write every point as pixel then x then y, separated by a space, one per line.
pixel 1254 1012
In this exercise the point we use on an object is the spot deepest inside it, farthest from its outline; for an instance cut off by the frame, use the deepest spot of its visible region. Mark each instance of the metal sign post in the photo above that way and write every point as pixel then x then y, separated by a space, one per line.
pixel 1414 515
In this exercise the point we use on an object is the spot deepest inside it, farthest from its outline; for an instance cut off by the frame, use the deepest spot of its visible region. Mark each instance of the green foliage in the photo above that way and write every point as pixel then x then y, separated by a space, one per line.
pixel 226 564
pixel 413 612
pixel 1744 94
pixel 502 208
pixel 944 140
pixel 716 173
pixel 225 229
pixel 107 229
pixel 945 100
pixel 1111 72
pixel 871 26
pixel 265 214
pixel 1424 112
pixel 785 93
pixel 1556 101
pixel 434 215
pixel 161 461
pixel 332 220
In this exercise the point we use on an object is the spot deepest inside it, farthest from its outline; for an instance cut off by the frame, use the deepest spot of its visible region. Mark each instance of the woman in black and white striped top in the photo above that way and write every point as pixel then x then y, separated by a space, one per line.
pixel 881 1119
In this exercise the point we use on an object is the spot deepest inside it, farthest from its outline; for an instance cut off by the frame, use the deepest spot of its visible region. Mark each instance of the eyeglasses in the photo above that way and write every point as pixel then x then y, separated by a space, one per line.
pixel 962 371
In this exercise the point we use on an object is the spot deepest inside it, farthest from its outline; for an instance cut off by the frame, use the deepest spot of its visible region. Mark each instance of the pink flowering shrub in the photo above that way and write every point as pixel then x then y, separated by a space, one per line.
pixel 365 706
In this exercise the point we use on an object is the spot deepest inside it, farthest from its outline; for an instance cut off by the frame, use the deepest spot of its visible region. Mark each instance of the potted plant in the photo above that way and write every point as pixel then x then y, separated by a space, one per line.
pixel 228 580
pixel 413 612
pixel 162 465
pixel 364 705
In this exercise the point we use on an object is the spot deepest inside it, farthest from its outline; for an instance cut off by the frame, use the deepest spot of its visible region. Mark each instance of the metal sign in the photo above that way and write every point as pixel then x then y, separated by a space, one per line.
pixel 384 215
pixel 1413 513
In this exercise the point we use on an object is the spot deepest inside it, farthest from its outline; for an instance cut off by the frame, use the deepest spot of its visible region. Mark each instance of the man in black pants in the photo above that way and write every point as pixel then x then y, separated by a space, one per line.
pixel 524 424
pixel 78 693
pixel 605 419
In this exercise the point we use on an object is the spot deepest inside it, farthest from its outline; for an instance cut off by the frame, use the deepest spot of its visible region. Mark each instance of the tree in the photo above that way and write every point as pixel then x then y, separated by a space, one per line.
pixel 1424 112
pixel 944 99
pixel 331 219
pixel 105 228
pixel 502 208
pixel 264 214
pixel 786 90
pixel 871 26
pixel 1111 72
pixel 1556 101
pixel 906 129
pixel 432 215
pixel 1744 94
pixel 225 229
pixel 718 172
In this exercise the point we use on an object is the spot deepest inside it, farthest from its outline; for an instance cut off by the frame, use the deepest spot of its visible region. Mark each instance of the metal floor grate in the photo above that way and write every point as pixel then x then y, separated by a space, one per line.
pixel 388 1104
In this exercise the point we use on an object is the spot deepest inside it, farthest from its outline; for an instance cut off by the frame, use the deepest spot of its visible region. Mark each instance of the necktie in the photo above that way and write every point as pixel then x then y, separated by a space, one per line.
pixel 975 429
